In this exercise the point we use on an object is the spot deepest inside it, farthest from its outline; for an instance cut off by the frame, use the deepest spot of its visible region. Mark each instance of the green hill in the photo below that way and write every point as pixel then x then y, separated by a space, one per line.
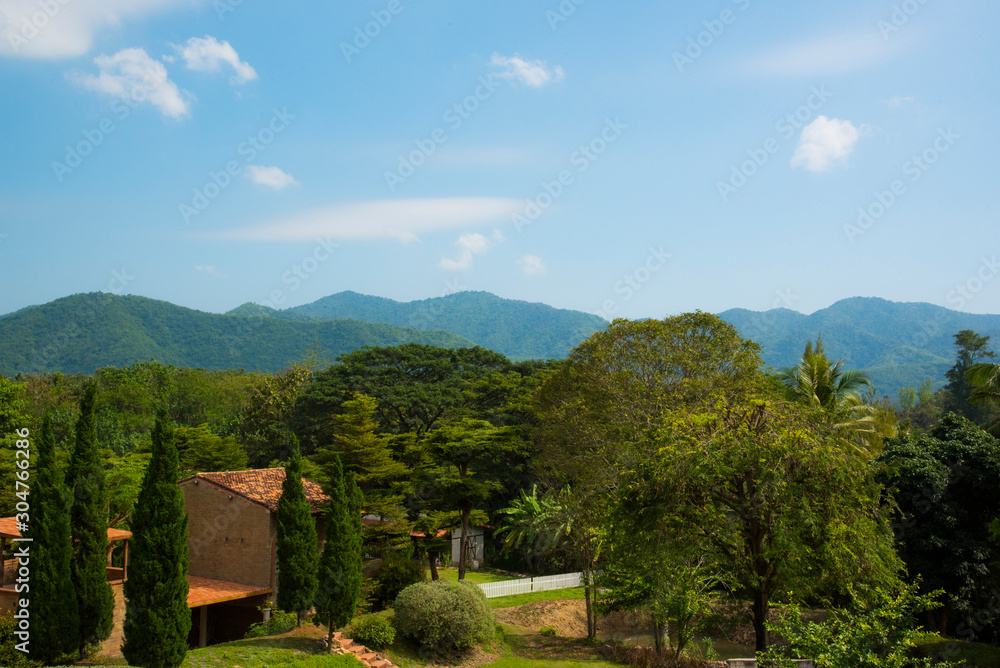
pixel 897 344
pixel 520 330
pixel 84 332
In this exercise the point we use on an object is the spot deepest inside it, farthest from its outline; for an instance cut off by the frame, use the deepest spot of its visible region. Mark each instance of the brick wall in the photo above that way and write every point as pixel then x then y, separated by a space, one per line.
pixel 113 645
pixel 231 538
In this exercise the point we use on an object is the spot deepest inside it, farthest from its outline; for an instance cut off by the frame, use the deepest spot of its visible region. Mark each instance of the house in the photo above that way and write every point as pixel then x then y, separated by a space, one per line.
pixel 233 547
pixel 475 541
pixel 232 553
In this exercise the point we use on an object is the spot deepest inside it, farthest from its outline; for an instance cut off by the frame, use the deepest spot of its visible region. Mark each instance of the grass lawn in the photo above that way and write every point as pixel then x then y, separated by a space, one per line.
pixel 451 573
pixel 521 599
pixel 962 652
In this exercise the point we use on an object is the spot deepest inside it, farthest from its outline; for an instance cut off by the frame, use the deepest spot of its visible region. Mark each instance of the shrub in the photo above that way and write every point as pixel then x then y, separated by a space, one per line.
pixel 443 616
pixel 373 631
pixel 9 656
pixel 547 631
pixel 393 576
pixel 279 622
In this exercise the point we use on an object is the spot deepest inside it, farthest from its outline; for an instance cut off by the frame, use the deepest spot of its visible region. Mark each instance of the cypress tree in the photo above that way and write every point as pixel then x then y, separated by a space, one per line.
pixel 89 527
pixel 298 552
pixel 55 624
pixel 340 564
pixel 157 619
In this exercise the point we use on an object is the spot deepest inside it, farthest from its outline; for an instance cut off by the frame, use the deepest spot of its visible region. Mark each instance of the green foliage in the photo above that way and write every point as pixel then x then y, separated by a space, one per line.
pixel 339 572
pixel 373 631
pixel 298 556
pixel 121 483
pixel 973 349
pixel 88 526
pixel 279 622
pixel 394 575
pixel 947 489
pixel 262 423
pixel 443 617
pixel 9 656
pixel 157 619
pixel 111 330
pixel 878 634
pixel 54 614
pixel 201 450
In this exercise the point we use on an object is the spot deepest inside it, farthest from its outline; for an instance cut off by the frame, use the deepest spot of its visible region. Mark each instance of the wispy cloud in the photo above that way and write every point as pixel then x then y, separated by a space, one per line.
pixel 207 54
pixel 468 246
pixel 824 143
pixel 272 177
pixel 534 73
pixel 132 74
pixel 898 101
pixel 71 29
pixel 820 56
pixel 531 265
pixel 401 219
pixel 211 270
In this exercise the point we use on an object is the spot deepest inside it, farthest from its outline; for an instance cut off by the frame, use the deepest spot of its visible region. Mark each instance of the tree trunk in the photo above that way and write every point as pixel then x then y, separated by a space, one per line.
pixel 432 558
pixel 590 609
pixel 461 544
pixel 760 610
pixel 658 633
pixel 329 637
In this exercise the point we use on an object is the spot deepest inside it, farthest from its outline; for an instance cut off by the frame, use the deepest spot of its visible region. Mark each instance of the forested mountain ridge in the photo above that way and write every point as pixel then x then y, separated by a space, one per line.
pixel 518 329
pixel 897 344
pixel 84 332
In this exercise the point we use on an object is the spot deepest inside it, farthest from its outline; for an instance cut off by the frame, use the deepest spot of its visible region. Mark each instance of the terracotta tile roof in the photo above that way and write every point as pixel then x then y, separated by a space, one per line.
pixel 262 486
pixel 202 591
pixel 8 529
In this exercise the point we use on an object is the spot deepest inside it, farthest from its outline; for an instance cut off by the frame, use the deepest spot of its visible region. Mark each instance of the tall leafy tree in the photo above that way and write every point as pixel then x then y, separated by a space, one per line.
pixel 973 349
pixel 201 450
pixel 88 525
pixel 157 618
pixel 54 613
pixel 298 554
pixel 984 381
pixel 340 563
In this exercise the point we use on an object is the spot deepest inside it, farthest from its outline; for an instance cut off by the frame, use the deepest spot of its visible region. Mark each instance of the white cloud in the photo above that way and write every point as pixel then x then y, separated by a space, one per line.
pixel 823 143
pixel 821 56
pixel 67 30
pixel 531 265
pixel 534 73
pixel 132 74
pixel 401 219
pixel 210 269
pixel 469 245
pixel 272 177
pixel 207 54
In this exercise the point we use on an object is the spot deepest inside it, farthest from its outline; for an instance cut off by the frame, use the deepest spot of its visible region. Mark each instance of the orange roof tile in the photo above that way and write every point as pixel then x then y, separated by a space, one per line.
pixel 262 486
pixel 202 591
pixel 8 529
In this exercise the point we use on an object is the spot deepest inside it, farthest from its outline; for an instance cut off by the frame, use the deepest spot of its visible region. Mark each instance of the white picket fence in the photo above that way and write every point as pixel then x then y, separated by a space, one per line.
pixel 526 585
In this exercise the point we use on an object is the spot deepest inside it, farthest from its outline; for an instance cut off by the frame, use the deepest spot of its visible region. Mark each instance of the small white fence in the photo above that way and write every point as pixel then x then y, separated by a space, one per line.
pixel 526 585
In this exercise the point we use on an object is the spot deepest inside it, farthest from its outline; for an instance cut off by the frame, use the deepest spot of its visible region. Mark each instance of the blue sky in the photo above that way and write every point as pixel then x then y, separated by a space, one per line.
pixel 628 161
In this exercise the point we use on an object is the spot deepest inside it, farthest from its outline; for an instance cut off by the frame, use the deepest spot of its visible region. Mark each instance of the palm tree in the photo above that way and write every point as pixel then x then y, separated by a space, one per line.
pixel 844 395
pixel 984 379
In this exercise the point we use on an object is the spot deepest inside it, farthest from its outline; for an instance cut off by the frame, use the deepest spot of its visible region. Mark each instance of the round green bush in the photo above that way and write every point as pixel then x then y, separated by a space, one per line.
pixel 373 632
pixel 444 616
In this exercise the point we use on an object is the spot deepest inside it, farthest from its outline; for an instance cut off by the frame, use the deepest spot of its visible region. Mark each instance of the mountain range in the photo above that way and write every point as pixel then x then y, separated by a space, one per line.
pixel 897 344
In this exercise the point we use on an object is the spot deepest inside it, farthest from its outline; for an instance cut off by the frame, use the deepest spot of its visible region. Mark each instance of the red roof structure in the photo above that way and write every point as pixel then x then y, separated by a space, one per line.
pixel 8 529
pixel 262 486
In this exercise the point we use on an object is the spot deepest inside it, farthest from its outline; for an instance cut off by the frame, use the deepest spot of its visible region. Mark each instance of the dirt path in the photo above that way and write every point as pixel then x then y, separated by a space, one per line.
pixel 567 617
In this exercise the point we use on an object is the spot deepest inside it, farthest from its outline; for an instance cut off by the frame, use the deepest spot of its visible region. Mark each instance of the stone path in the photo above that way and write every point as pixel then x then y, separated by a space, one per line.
pixel 342 645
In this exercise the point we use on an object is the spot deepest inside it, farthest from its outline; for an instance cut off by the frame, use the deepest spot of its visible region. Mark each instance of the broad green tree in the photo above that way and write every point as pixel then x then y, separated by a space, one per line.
pixel 201 450
pixel 89 527
pixel 157 618
pixel 779 507
pixel 973 349
pixel 55 617
pixel 984 382
pixel 298 554
pixel 339 572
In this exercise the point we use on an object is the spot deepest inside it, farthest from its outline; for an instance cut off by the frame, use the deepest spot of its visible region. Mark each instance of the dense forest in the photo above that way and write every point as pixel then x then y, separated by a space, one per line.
pixel 661 458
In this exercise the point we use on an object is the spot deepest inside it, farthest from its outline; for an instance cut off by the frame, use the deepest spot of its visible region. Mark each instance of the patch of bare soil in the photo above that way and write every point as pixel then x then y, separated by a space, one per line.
pixel 568 618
